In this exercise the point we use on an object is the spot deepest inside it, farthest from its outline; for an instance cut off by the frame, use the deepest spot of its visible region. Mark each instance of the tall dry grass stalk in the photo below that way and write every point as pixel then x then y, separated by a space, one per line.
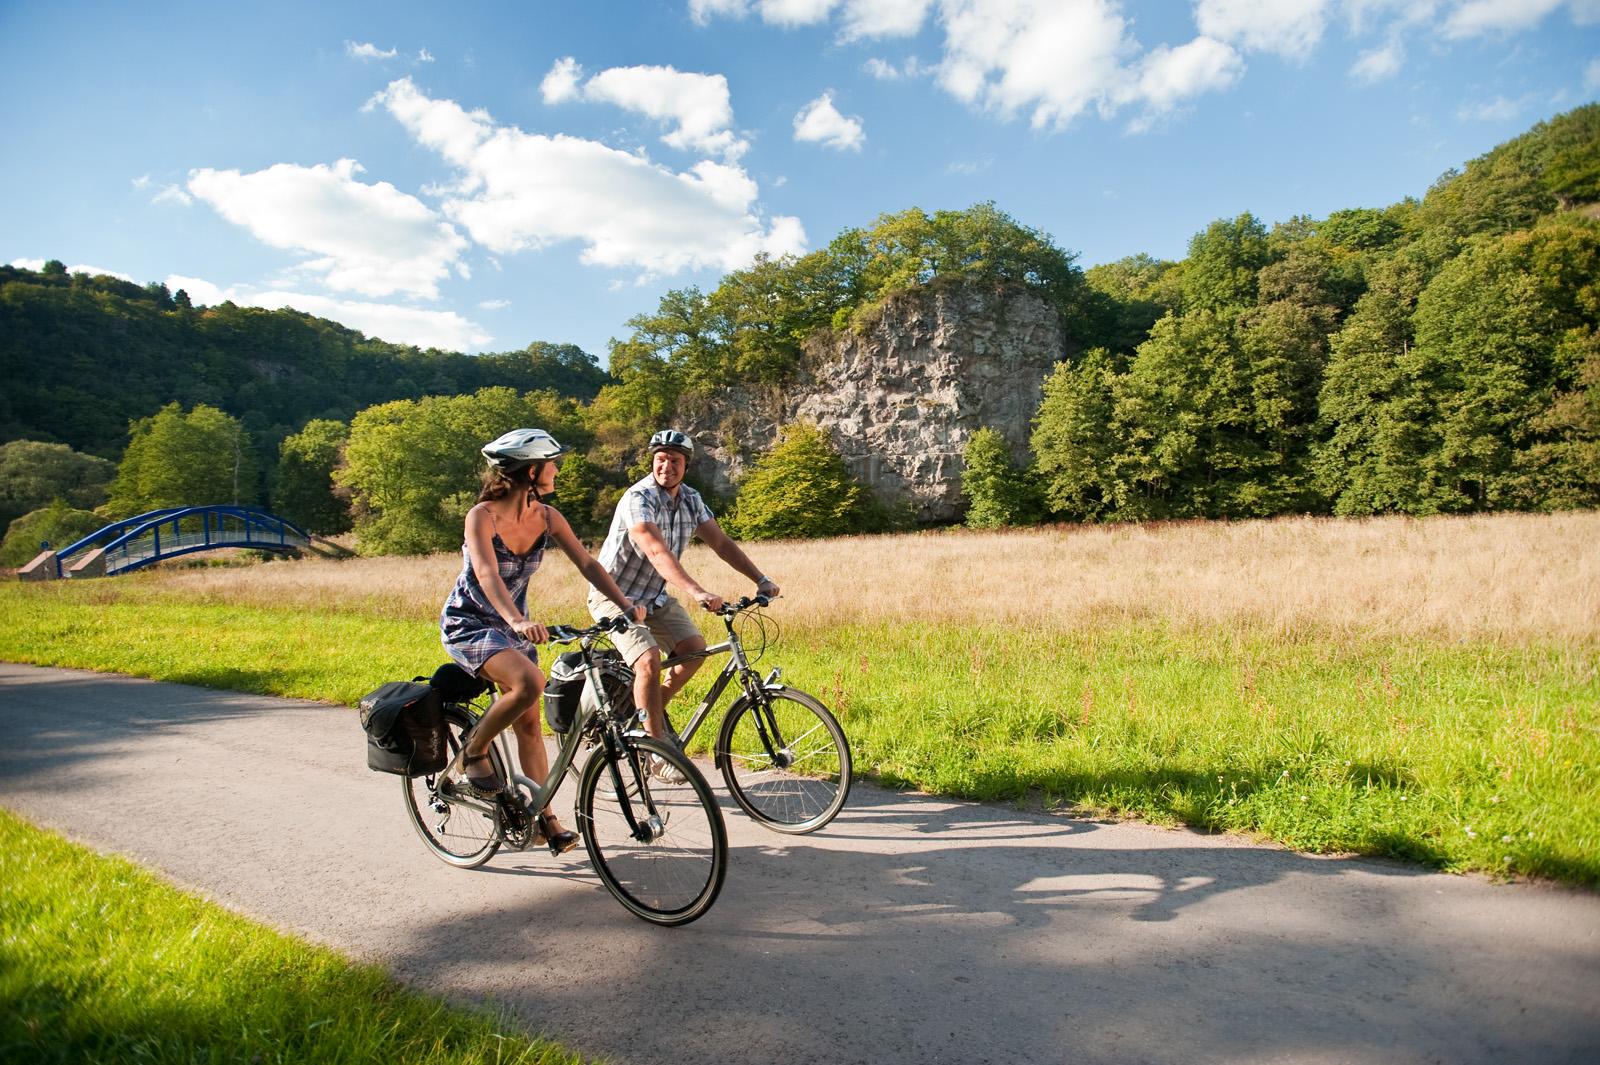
pixel 1509 576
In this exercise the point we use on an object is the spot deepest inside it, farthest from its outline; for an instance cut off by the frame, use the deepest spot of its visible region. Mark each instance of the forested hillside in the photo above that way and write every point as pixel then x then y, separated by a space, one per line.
pixel 82 357
pixel 1433 355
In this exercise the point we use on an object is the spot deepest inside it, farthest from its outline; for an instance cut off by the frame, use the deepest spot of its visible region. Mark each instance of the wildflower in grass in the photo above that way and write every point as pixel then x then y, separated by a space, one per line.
pixel 1505 839
pixel 1471 834
pixel 1303 798
pixel 1494 798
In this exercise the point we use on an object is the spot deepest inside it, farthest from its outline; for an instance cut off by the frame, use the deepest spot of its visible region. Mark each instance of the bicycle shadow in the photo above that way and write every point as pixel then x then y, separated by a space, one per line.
pixel 921 930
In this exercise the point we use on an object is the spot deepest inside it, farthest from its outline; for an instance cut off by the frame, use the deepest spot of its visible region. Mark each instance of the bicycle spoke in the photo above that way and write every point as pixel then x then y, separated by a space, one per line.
pixel 808 791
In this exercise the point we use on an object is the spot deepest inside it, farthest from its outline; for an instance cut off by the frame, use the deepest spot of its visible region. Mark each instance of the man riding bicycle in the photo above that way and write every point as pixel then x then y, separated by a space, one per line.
pixel 654 521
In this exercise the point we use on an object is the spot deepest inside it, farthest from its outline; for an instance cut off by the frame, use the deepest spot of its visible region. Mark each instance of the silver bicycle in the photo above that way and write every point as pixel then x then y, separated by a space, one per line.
pixel 658 845
pixel 783 755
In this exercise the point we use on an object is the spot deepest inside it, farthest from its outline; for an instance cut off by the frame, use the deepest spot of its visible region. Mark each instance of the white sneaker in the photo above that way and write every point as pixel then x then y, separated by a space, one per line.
pixel 665 771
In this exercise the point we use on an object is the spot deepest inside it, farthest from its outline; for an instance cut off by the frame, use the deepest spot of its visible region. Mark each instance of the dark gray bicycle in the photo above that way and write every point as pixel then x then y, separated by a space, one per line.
pixel 781 752
pixel 659 846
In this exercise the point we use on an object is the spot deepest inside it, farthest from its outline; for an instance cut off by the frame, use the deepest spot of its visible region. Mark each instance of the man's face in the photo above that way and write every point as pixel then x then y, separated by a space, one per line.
pixel 667 467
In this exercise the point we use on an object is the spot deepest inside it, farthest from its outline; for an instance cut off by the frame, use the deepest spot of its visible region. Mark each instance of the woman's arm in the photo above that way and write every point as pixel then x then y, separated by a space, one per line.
pixel 480 550
pixel 587 565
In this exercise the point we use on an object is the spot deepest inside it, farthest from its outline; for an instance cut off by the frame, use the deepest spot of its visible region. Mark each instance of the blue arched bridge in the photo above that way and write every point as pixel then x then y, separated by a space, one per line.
pixel 133 543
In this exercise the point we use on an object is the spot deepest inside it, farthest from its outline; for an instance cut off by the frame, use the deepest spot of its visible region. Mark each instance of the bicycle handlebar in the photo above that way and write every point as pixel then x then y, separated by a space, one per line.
pixel 619 622
pixel 745 603
pixel 568 634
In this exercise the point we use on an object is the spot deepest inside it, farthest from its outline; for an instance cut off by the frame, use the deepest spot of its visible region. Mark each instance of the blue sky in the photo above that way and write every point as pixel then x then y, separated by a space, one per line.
pixel 479 176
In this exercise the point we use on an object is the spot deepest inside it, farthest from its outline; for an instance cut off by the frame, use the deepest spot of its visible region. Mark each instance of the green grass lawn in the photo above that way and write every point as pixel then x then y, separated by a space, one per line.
pixel 101 962
pixel 1461 755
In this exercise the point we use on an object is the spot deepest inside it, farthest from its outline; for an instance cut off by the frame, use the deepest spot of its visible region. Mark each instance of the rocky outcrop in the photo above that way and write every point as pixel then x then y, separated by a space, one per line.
pixel 902 395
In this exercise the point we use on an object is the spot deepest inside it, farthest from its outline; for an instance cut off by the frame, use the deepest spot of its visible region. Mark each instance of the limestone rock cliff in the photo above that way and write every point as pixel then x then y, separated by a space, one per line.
pixel 901 396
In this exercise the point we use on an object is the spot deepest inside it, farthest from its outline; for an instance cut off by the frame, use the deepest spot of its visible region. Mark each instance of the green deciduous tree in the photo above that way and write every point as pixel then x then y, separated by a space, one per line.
pixel 33 473
pixel 1077 442
pixel 1220 271
pixel 413 467
pixel 303 489
pixel 798 489
pixel 1499 335
pixel 999 492
pixel 176 459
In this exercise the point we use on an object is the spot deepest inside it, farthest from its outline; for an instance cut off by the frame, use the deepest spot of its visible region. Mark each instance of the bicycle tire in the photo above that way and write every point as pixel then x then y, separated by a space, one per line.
pixel 798 798
pixel 669 880
pixel 461 834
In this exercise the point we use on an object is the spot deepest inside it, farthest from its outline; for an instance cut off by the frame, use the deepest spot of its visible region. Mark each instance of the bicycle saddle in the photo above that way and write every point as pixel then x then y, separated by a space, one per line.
pixel 456 685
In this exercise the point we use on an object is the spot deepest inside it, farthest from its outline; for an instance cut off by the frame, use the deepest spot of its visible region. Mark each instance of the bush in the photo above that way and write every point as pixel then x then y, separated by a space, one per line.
pixel 998 492
pixel 58 523
pixel 33 473
pixel 798 490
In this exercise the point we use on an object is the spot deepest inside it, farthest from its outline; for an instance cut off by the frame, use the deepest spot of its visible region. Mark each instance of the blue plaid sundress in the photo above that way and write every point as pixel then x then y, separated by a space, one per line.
pixel 470 628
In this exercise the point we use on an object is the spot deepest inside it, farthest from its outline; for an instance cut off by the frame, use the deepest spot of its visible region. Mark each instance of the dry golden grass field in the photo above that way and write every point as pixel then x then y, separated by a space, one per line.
pixel 1501 577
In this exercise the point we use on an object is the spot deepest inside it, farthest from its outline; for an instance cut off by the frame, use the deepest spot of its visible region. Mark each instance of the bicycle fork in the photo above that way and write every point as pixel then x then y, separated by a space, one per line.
pixel 653 827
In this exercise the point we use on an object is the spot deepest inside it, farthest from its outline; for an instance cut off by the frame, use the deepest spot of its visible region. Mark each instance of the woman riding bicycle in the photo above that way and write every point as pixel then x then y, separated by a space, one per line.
pixel 484 625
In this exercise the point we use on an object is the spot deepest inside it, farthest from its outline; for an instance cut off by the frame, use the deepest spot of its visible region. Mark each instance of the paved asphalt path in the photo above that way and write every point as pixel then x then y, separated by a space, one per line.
pixel 912 930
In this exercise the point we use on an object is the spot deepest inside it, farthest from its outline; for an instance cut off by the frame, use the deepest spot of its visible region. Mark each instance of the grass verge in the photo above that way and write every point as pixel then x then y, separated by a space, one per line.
pixel 123 968
pixel 1468 754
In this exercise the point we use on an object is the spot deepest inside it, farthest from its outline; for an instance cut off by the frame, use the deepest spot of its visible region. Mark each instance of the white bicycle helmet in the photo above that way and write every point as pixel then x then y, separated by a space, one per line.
pixel 671 439
pixel 520 447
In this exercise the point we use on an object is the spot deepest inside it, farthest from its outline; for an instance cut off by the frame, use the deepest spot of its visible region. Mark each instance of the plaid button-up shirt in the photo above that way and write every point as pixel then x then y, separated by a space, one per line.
pixel 676 518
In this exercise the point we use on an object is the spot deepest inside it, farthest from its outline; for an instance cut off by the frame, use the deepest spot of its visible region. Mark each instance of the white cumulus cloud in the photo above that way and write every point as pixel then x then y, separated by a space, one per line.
pixel 519 191
pixel 396 323
pixel 1591 76
pixel 883 18
pixel 1477 17
pixel 696 108
pixel 1168 76
pixel 1377 64
pixel 1291 28
pixel 80 268
pixel 819 122
pixel 861 18
pixel 172 194
pixel 370 239
pixel 561 83
pixel 1050 57
pixel 366 50
pixel 1499 109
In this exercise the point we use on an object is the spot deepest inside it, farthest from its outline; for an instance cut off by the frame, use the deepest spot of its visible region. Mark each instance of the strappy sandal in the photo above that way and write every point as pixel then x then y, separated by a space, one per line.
pixel 558 842
pixel 486 784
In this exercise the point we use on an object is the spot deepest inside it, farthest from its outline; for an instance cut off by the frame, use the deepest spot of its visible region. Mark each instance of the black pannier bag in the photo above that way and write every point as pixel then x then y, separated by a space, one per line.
pixel 404 723
pixel 566 690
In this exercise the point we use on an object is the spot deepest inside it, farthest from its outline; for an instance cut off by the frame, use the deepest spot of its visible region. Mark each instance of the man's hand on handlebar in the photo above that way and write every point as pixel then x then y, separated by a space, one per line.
pixel 712 603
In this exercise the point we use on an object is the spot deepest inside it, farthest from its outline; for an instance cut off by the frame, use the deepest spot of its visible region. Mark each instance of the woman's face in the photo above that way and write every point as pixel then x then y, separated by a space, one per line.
pixel 544 481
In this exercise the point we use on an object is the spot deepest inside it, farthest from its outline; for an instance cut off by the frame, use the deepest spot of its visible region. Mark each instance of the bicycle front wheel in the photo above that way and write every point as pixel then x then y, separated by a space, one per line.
pixel 458 829
pixel 667 864
pixel 785 759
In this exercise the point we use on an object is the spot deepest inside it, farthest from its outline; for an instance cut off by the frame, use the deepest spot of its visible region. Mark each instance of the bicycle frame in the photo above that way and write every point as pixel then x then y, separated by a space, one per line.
pixel 541 794
pixel 736 666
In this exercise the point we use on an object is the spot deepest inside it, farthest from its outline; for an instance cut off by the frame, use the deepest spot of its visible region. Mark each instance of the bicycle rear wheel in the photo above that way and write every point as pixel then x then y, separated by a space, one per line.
pixel 797 778
pixel 460 830
pixel 670 869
